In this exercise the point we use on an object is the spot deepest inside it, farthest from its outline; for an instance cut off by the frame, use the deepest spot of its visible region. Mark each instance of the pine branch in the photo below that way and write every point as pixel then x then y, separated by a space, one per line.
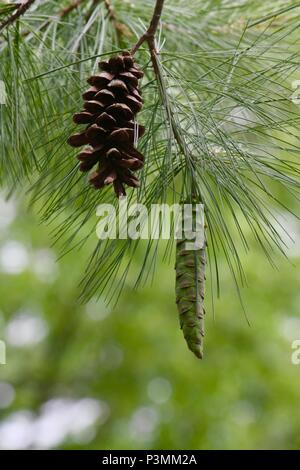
pixel 190 265
pixel 15 16
pixel 149 35
pixel 217 110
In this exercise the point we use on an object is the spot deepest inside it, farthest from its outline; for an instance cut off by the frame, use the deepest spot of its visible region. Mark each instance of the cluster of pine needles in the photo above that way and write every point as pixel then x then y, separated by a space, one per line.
pixel 219 115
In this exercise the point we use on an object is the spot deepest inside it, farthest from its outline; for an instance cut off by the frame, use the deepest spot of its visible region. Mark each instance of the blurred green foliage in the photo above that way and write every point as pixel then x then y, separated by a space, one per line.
pixel 121 377
pixel 97 377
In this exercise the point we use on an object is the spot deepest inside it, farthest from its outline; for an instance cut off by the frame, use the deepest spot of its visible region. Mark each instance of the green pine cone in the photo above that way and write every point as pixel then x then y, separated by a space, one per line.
pixel 190 288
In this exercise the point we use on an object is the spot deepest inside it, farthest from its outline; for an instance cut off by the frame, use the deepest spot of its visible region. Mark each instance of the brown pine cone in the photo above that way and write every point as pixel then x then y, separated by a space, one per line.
pixel 110 106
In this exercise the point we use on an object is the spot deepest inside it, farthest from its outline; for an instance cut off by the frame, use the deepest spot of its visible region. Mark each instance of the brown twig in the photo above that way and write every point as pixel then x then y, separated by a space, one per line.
pixel 61 15
pixel 120 28
pixel 15 16
pixel 112 17
pixel 149 35
pixel 68 9
pixel 110 10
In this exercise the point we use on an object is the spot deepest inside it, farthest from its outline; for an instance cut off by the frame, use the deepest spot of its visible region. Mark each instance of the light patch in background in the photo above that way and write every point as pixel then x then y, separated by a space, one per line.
pixel 289 327
pixel 2 352
pixel 7 395
pixel 111 356
pixel 59 419
pixel 63 418
pixel 8 212
pixel 14 258
pixel 289 229
pixel 2 92
pixel 44 266
pixel 25 329
pixel 159 390
pixel 97 310
pixel 143 424
pixel 240 118
pixel 244 413
pixel 16 431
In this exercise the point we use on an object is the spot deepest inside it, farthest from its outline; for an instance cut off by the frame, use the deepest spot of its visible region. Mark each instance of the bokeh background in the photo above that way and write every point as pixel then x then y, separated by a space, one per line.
pixel 102 377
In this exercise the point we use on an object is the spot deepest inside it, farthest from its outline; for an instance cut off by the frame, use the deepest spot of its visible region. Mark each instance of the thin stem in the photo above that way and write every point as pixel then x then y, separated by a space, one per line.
pixel 68 9
pixel 171 118
pixel 113 19
pixel 156 17
pixel 15 16
pixel 61 15
pixel 110 10
pixel 149 35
